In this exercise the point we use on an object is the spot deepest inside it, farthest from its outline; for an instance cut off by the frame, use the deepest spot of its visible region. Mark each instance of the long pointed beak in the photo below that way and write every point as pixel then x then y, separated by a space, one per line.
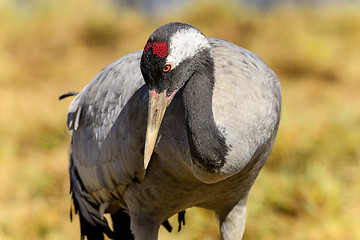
pixel 157 106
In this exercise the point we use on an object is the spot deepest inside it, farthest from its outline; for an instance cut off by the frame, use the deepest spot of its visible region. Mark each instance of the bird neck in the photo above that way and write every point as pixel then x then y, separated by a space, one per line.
pixel 207 144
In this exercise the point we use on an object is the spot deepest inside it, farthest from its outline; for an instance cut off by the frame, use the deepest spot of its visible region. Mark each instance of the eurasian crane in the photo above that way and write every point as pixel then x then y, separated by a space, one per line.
pixel 188 121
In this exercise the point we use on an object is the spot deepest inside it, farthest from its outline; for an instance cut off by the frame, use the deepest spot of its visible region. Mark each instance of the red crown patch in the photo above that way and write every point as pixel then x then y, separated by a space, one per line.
pixel 160 49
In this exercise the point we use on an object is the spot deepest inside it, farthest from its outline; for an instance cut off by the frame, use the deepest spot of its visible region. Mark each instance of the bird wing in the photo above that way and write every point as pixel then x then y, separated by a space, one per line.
pixel 108 119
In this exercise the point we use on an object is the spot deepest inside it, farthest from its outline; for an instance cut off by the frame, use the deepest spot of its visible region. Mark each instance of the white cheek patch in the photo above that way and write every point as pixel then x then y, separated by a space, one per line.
pixel 184 44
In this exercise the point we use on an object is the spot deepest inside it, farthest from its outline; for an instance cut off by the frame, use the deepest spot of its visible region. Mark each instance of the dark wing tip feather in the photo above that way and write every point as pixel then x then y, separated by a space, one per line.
pixel 167 225
pixel 181 219
pixel 92 224
pixel 68 94
pixel 121 223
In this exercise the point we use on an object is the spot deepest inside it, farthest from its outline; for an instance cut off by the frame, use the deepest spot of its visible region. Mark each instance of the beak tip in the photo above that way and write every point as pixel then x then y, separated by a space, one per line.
pixel 146 163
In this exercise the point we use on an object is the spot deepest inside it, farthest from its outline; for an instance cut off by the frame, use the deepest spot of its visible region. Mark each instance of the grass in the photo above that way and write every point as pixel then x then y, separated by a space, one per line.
pixel 308 189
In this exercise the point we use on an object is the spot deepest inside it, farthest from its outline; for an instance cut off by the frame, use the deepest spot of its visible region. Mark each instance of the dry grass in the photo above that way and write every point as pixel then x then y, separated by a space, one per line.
pixel 309 188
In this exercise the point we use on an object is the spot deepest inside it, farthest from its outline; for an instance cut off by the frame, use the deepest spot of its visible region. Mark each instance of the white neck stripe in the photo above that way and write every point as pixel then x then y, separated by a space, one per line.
pixel 184 44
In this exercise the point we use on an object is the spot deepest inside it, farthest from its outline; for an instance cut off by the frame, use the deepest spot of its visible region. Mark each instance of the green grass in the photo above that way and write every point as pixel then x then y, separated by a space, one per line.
pixel 308 189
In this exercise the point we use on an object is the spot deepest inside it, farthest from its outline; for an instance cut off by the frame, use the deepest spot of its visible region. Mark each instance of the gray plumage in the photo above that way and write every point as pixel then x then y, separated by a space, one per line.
pixel 109 120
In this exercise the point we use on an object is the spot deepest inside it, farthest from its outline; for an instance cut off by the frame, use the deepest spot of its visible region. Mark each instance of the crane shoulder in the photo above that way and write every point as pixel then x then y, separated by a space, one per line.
pixel 246 102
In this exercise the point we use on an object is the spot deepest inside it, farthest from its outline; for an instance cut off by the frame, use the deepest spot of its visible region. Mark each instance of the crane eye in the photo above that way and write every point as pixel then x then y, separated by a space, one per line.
pixel 167 68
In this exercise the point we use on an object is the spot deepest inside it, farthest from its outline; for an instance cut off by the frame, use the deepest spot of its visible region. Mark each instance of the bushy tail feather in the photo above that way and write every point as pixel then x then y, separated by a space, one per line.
pixel 121 223
pixel 92 224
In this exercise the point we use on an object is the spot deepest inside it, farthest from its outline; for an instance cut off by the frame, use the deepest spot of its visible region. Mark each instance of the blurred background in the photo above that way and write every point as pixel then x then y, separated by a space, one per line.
pixel 308 189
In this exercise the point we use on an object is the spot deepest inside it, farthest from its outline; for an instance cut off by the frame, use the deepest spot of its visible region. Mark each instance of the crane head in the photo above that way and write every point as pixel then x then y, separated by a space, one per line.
pixel 170 57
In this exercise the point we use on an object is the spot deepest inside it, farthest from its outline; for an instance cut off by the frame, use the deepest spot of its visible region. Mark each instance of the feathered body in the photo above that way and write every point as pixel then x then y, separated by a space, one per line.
pixel 217 132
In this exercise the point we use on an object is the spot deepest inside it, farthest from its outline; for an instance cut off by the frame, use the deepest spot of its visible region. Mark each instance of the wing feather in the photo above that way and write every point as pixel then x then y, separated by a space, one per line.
pixel 108 132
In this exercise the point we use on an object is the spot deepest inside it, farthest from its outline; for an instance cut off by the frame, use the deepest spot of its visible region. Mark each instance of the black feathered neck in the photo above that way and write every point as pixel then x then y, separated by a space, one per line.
pixel 207 144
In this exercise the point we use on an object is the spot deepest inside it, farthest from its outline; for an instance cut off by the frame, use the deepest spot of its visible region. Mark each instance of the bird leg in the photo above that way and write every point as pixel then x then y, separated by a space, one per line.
pixel 144 227
pixel 232 223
